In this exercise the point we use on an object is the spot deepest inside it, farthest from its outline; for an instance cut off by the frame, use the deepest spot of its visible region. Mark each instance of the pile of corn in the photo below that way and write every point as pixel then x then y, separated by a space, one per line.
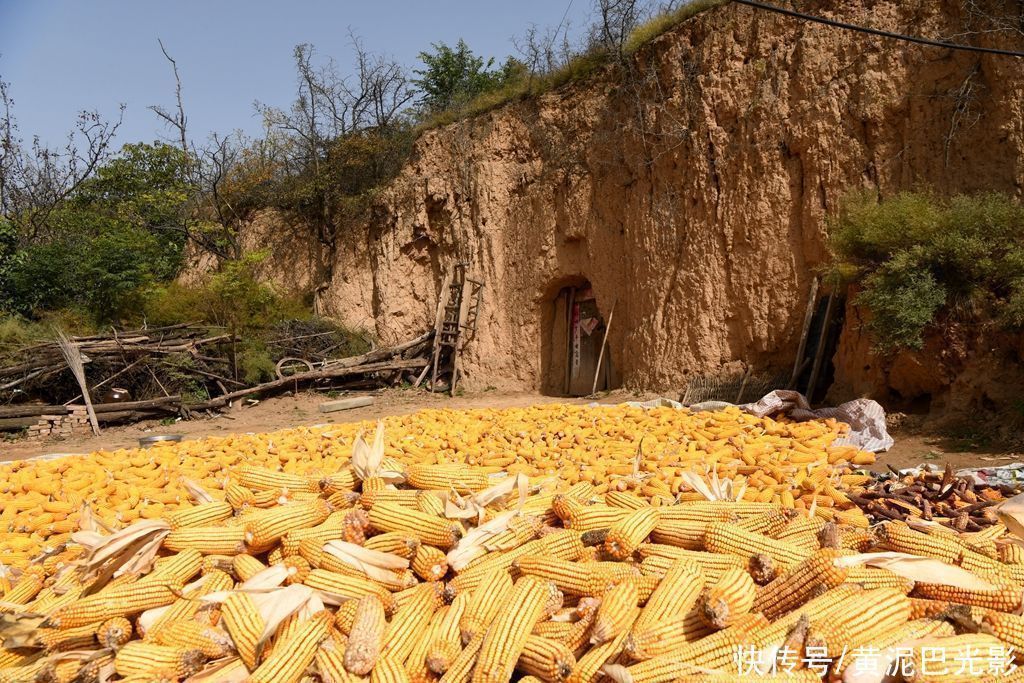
pixel 387 571
pixel 780 461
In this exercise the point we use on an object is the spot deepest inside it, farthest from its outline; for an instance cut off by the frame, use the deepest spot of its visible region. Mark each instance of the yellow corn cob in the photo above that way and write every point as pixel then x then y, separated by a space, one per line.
pixel 798 584
pixel 345 617
pixel 727 538
pixel 389 670
pixel 573 578
pixel 484 603
pixel 505 639
pixel 429 529
pixel 625 500
pixel 874 577
pixel 1006 597
pixel 615 613
pixel 547 659
pixel 268 526
pixel 667 635
pixel 394 543
pixel 243 622
pixel 681 534
pixel 114 633
pixel 57 640
pixel 446 639
pixel 345 586
pixel 870 615
pixel 332 529
pixel 716 651
pixel 193 635
pixel 728 599
pixel 121 601
pixel 330 660
pixel 288 663
pixel 461 669
pixel 675 595
pixel 342 480
pixel 179 567
pixel 209 540
pixel 366 636
pixel 769 523
pixel 588 667
pixel 626 534
pixel 246 566
pixel 410 620
pixel 581 518
pixel 24 589
pixel 261 479
pixel 140 658
pixel 658 558
pixel 459 478
pixel 1009 628
pixel 206 514
pixel 429 563
pixel 1010 553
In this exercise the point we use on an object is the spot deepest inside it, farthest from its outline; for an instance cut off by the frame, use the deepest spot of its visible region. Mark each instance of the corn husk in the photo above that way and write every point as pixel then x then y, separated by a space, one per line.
pixel 916 568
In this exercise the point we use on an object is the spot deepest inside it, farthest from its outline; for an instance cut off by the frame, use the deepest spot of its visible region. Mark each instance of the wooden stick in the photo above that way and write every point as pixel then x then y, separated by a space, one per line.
pixel 324 373
pixel 604 341
pixel 819 353
pixel 808 316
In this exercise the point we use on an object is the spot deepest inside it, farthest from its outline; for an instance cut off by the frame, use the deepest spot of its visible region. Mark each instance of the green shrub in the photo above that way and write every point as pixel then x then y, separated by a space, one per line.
pixel 920 257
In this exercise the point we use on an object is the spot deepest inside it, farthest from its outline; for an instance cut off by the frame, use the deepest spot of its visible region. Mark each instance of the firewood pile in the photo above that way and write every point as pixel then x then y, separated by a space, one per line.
pixel 940 497
pixel 182 369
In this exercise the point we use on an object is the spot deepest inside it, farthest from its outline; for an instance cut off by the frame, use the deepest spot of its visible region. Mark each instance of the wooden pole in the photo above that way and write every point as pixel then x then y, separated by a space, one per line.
pixel 570 298
pixel 798 364
pixel 604 341
pixel 819 354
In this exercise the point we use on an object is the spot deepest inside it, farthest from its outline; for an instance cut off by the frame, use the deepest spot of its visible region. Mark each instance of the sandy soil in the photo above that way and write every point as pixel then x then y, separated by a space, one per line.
pixel 289 411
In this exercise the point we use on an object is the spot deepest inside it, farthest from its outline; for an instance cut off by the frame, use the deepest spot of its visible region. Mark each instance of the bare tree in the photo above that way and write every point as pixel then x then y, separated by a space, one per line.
pixel 36 178
pixel 175 120
pixel 329 107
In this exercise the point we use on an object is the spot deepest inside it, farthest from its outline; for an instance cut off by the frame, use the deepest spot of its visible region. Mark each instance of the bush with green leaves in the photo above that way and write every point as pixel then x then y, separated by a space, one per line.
pixel 921 258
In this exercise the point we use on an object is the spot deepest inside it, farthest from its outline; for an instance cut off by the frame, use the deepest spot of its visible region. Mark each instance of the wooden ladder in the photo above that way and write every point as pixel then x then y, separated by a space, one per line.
pixel 458 311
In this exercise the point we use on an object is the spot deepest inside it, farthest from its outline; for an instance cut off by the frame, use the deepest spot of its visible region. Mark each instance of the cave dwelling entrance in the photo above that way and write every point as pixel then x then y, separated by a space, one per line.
pixel 573 332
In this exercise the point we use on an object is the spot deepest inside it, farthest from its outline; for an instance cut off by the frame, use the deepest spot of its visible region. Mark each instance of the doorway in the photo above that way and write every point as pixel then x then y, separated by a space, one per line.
pixel 574 333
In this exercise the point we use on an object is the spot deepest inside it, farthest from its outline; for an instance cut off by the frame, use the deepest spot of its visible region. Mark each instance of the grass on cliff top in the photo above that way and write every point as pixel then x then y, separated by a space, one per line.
pixel 579 68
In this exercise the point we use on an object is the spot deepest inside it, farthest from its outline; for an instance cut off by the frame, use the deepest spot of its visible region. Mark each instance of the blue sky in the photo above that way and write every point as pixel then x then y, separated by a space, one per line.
pixel 60 56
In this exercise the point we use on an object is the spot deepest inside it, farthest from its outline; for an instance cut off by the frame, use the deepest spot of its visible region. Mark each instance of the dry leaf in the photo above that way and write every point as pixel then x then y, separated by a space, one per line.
pixel 276 606
pixel 473 544
pixel 374 564
pixel 916 568
pixel 1011 514
pixel 198 493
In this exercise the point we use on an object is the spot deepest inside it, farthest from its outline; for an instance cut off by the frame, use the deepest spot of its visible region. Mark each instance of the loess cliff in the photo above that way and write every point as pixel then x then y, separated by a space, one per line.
pixel 691 190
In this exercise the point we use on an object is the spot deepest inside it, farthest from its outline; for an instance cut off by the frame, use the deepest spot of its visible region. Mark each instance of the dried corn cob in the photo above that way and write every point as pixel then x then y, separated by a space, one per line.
pixel 140 658
pixel 504 641
pixel 288 663
pixel 799 584
pixel 629 532
pixel 728 599
pixel 428 528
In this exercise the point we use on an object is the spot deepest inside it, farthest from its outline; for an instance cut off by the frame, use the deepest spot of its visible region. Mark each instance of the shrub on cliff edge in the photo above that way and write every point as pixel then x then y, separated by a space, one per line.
pixel 920 257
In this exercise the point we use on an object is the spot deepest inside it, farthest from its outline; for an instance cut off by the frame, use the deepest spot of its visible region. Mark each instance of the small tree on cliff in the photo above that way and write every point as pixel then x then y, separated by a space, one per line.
pixel 454 76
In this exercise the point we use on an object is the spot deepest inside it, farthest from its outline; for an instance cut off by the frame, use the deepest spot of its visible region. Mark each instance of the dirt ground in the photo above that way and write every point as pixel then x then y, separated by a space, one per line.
pixel 302 409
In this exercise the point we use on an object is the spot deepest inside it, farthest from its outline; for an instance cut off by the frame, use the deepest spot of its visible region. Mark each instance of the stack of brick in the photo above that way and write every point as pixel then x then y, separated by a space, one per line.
pixel 76 422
